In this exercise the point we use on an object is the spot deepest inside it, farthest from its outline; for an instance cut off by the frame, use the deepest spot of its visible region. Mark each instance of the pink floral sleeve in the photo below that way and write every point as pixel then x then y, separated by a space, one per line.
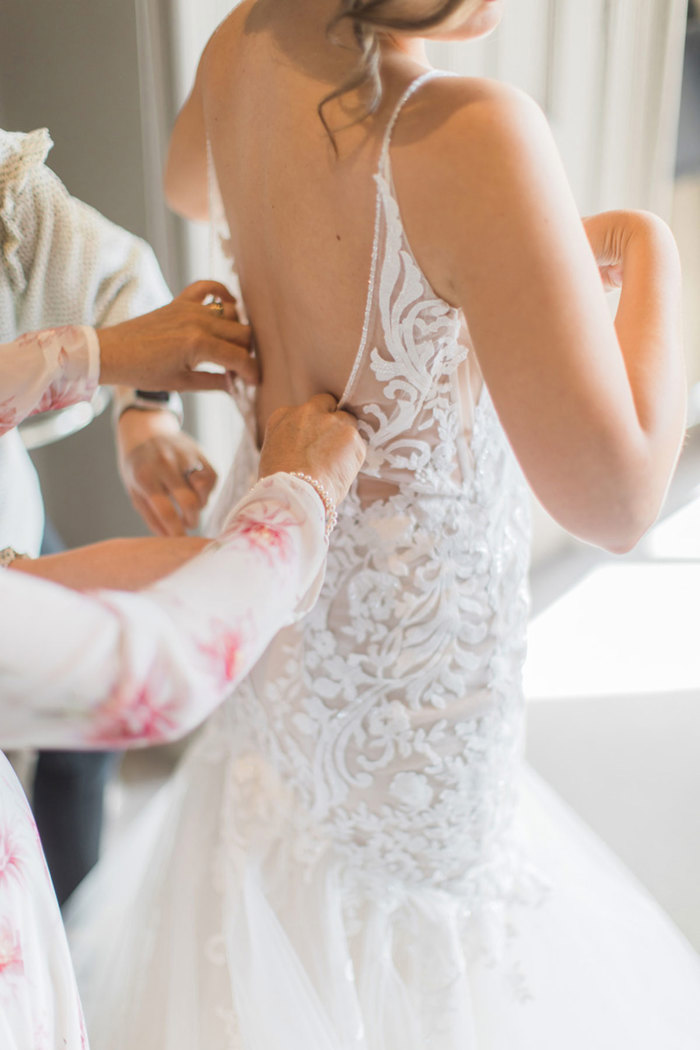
pixel 112 669
pixel 42 371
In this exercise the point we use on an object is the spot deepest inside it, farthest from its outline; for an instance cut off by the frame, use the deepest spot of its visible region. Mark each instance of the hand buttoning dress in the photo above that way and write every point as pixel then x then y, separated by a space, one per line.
pixel 352 855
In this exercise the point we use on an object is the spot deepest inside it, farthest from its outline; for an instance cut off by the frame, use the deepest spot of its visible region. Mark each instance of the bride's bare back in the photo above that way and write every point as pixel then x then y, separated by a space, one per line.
pixel 301 220
pixel 595 415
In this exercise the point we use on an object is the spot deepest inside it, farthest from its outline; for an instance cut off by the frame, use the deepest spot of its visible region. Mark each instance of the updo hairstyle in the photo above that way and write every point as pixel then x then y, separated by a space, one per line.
pixel 369 19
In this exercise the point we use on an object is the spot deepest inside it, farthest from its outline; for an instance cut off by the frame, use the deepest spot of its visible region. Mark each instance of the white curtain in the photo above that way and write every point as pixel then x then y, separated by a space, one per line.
pixel 606 72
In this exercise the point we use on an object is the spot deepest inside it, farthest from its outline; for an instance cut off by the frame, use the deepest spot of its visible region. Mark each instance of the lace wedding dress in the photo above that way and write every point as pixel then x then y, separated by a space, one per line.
pixel 352 856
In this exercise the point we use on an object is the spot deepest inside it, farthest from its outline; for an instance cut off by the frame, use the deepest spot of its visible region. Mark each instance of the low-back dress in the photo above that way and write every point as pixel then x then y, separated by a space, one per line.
pixel 352 855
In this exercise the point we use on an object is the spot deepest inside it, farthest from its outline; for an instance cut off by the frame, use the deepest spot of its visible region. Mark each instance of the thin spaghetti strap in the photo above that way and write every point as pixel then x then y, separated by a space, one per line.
pixel 382 170
pixel 414 86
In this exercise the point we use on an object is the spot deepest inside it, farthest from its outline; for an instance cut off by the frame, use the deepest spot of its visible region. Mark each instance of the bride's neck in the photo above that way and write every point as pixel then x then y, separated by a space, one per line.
pixel 301 28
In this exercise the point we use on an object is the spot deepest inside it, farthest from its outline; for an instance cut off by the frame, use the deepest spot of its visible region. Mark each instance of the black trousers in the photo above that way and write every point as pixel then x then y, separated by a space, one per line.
pixel 68 799
pixel 68 804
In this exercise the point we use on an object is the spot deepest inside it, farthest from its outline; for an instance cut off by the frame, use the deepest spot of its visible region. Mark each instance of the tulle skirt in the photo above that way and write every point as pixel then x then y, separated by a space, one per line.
pixel 191 936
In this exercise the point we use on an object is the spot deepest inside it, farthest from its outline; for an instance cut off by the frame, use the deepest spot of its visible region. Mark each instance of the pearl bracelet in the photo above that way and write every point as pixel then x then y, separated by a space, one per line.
pixel 325 497
pixel 8 555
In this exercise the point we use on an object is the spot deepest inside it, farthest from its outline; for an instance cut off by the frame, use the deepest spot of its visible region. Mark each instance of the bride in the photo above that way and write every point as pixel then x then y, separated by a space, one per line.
pixel 352 854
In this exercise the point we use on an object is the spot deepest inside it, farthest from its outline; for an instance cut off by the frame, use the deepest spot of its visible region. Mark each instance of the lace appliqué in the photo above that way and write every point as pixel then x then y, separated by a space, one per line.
pixel 383 735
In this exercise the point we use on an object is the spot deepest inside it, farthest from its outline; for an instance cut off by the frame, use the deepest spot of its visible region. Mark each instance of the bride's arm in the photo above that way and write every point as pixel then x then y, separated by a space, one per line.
pixel 595 410
pixel 185 180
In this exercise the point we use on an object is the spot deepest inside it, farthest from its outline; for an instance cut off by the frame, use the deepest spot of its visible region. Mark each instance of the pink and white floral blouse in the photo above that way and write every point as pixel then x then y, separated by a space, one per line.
pixel 120 669
pixel 117 670
pixel 42 371
pixel 112 669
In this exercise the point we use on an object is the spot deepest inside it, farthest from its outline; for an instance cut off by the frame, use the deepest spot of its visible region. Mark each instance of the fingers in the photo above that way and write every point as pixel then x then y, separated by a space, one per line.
pixel 202 480
pixel 186 490
pixel 323 402
pixel 158 512
pixel 186 503
pixel 143 507
pixel 276 417
pixel 234 358
pixel 347 417
pixel 197 292
pixel 231 331
pixel 170 520
pixel 169 480
pixel 205 381
pixel 314 438
pixel 230 313
pixel 226 343
pixel 612 277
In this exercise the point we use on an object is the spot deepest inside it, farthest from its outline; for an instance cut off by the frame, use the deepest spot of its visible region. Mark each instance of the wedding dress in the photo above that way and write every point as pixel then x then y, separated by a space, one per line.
pixel 352 855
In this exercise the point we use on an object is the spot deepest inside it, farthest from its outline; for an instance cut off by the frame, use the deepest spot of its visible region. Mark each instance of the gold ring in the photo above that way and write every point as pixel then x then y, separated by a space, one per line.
pixel 217 305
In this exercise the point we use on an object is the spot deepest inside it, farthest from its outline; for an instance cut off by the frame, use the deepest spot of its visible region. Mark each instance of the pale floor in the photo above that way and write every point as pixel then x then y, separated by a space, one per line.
pixel 552 577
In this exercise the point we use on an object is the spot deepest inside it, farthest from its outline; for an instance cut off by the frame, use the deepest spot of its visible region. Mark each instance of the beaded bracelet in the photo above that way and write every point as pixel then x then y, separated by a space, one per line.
pixel 325 497
pixel 8 555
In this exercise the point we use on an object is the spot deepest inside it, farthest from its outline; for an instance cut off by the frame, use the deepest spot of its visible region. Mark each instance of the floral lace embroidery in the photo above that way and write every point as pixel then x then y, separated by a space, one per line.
pixel 385 732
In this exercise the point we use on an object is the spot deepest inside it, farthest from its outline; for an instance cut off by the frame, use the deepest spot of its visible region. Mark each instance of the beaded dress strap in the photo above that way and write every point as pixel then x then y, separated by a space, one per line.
pixel 415 85
pixel 383 171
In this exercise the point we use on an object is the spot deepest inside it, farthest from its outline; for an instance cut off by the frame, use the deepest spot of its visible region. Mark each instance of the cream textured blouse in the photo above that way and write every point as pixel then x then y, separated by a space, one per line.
pixel 61 262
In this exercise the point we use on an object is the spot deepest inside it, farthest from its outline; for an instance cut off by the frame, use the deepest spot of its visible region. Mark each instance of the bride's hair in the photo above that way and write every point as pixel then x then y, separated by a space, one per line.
pixel 369 19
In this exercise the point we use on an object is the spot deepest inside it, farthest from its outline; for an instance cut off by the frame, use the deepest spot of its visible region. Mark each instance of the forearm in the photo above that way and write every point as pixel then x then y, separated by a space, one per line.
pixel 185 181
pixel 649 330
pixel 114 669
pixel 122 564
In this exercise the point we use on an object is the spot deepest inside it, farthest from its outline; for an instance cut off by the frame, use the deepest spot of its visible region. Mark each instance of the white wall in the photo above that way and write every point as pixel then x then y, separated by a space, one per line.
pixel 607 74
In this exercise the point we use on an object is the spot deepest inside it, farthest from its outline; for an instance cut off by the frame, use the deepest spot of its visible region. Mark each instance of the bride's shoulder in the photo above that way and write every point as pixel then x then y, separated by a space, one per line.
pixel 469 152
pixel 226 38
pixel 459 129
pixel 461 114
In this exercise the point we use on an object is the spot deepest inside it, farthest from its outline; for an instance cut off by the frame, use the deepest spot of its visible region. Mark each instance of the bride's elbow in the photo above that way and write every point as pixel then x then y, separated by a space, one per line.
pixel 612 510
pixel 627 539
pixel 621 521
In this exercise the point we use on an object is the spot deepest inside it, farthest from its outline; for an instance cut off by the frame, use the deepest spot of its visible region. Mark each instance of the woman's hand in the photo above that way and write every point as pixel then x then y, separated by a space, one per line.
pixel 161 350
pixel 316 439
pixel 610 234
pixel 164 471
